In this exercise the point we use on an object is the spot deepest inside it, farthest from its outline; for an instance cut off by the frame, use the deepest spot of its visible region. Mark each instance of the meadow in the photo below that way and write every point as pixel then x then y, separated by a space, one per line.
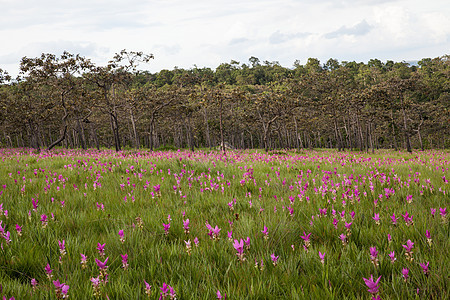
pixel 204 225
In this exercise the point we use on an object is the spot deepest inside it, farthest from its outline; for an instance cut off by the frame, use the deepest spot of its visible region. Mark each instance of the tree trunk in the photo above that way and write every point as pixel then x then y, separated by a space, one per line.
pixel 133 125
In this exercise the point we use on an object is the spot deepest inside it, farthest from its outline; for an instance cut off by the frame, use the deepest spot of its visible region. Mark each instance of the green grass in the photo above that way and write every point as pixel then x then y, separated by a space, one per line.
pixel 208 181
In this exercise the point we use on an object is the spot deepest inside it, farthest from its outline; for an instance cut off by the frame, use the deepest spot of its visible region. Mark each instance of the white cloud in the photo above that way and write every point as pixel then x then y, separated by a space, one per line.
pixel 209 32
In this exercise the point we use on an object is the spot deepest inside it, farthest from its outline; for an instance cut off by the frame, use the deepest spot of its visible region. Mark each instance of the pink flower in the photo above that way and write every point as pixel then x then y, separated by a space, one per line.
pixel 101 249
pixel 392 256
pixel 335 223
pixel 274 259
pixel 409 245
pixel 433 211
pixel 405 272
pixel 306 237
pixel 124 261
pixel 44 220
pixel 34 283
pixel 348 225
pixel 19 230
pixel 219 295
pixel 186 226
pixel 102 265
pixel 322 257
pixel 425 269
pixel 376 218
pixel 48 270
pixel 373 252
pixel 148 288
pixel 61 289
pixel 265 232
pixel 166 228
pixel 343 238
pixel 372 285
pixel 83 261
pixel 121 235
pixel 394 219
pixel 247 243
pixel 62 247
pixel 239 246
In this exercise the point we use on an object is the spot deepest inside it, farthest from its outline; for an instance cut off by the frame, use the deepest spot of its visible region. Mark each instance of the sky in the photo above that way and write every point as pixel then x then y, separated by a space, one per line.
pixel 206 33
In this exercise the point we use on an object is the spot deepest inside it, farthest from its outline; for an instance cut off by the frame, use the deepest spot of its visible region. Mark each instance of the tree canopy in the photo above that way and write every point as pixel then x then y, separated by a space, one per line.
pixel 68 101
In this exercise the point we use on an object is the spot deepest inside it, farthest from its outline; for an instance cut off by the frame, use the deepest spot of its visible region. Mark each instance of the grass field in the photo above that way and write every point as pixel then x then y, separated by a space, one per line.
pixel 251 225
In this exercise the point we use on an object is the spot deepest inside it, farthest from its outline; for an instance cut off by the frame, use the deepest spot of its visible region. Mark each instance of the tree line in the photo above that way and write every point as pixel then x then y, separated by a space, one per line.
pixel 68 101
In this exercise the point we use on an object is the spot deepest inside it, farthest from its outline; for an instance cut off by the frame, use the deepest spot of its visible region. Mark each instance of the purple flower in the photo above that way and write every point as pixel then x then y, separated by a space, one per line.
pixel 427 234
pixel 186 226
pixel 34 283
pixel 322 211
pixel 348 225
pixel 425 269
pixel 148 288
pixel 95 281
pixel 322 257
pixel 376 218
pixel 35 203
pixel 265 232
pixel 389 237
pixel 373 256
pixel 443 211
pixel 394 219
pixel 44 220
pixel 219 295
pixel 372 285
pixel 164 290
pixel 7 237
pixel 409 245
pixel 408 219
pixel 171 292
pixel 48 270
pixel 335 223
pixel 274 259
pixel 409 198
pixel 101 249
pixel 102 265
pixel 239 246
pixel 215 232
pixel 405 272
pixel 124 261
pixel 247 243
pixel 62 247
pixel 305 236
pixel 343 238
pixel 121 235
pixel 392 256
pixel 166 228
pixel 373 252
pixel 19 230
pixel 83 260
pixel 433 211
pixel 61 289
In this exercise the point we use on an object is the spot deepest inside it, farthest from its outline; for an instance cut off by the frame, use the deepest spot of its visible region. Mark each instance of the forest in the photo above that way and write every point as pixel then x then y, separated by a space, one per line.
pixel 68 101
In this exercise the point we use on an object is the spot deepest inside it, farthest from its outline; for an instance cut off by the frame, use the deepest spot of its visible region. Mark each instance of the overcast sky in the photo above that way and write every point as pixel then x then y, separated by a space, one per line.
pixel 185 33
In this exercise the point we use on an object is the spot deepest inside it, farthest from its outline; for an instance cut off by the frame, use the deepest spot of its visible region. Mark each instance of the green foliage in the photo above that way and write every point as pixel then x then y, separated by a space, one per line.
pixel 206 183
